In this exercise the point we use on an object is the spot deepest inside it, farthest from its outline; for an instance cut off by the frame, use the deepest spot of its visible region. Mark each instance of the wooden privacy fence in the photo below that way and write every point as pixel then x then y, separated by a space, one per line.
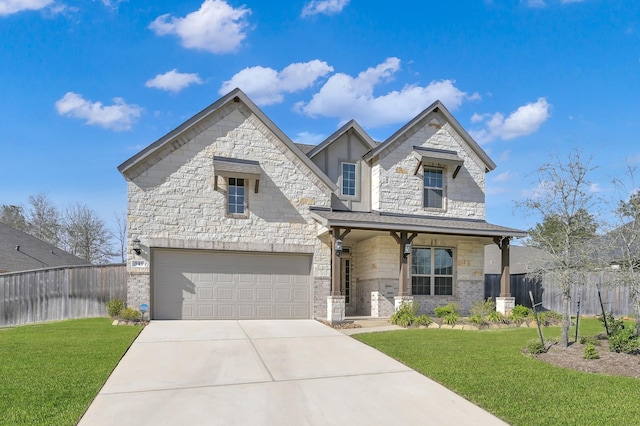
pixel 616 299
pixel 60 293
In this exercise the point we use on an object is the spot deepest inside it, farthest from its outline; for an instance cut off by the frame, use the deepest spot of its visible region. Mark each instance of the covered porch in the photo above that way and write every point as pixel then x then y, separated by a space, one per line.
pixel 379 261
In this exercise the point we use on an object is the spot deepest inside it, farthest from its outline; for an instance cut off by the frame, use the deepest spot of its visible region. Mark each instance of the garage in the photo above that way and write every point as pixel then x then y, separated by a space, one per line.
pixel 201 284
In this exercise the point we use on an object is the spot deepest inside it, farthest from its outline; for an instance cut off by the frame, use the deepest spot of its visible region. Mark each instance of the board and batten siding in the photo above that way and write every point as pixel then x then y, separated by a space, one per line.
pixel 60 293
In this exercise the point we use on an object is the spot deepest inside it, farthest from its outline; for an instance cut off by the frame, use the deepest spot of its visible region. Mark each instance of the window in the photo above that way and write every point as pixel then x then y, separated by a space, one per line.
pixel 433 188
pixel 349 179
pixel 432 271
pixel 235 196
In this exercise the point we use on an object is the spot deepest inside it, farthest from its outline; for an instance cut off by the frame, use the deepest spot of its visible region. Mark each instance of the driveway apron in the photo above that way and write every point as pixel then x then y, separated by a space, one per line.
pixel 268 372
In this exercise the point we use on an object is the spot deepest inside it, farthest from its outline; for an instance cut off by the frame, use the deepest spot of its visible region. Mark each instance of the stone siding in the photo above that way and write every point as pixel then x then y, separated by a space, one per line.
pixel 173 202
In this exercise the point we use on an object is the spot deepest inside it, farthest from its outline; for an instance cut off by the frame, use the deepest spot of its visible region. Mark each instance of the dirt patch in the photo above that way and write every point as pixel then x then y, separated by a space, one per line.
pixel 611 363
pixel 341 325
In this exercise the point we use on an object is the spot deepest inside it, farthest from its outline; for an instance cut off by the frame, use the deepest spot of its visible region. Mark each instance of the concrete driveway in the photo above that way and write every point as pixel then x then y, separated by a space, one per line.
pixel 268 373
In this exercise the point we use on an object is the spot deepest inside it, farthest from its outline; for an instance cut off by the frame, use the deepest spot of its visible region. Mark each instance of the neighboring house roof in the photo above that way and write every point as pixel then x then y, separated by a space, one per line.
pixel 352 124
pixel 20 251
pixel 435 107
pixel 522 259
pixel 172 140
pixel 412 223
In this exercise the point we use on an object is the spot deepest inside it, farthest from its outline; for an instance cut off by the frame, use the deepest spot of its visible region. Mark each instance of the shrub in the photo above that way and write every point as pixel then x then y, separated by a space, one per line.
pixel 130 314
pixel 114 307
pixel 483 308
pixel 496 317
pixel 624 341
pixel 423 320
pixel 407 315
pixel 451 318
pixel 477 319
pixel 535 346
pixel 519 313
pixel 589 340
pixel 590 352
pixel 613 325
pixel 448 309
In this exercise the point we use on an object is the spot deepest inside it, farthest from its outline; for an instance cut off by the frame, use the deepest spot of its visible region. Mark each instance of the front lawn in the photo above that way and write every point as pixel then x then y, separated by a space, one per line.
pixel 50 373
pixel 489 369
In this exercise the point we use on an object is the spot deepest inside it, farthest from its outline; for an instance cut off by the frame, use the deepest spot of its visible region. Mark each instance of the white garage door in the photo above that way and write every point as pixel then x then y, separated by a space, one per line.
pixel 199 284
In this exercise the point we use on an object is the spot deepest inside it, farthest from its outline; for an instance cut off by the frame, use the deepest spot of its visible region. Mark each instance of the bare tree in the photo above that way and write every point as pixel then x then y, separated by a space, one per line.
pixel 85 234
pixel 564 201
pixel 120 235
pixel 43 219
pixel 14 216
pixel 625 241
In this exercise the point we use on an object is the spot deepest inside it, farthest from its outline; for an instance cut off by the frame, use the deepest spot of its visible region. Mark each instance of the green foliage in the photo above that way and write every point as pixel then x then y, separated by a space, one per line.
pixel 446 310
pixel 535 346
pixel 407 315
pixel 496 317
pixel 613 325
pixel 130 314
pixel 519 313
pixel 589 340
pixel 451 318
pixel 483 308
pixel 51 372
pixel 590 352
pixel 624 341
pixel 477 319
pixel 114 307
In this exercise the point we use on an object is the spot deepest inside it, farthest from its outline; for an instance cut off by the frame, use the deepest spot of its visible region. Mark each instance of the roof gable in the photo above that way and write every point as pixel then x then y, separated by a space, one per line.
pixel 350 125
pixel 437 106
pixel 175 139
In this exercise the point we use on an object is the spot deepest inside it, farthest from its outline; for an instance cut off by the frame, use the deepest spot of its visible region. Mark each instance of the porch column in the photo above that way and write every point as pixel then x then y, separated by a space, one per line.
pixel 404 242
pixel 336 300
pixel 504 303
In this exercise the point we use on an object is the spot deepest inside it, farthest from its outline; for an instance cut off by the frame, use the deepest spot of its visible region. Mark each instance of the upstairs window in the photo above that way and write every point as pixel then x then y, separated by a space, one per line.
pixel 349 179
pixel 433 188
pixel 236 196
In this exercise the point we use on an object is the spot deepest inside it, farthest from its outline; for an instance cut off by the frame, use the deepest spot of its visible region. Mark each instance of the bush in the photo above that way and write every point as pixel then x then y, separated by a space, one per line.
pixel 130 314
pixel 624 341
pixel 114 307
pixel 423 320
pixel 407 315
pixel 520 311
pixel 446 310
pixel 613 325
pixel 590 352
pixel 477 319
pixel 483 308
pixel 535 346
pixel 589 340
pixel 495 317
pixel 451 318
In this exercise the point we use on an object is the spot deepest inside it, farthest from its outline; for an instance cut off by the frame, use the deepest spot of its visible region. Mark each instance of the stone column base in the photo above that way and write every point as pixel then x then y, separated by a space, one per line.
pixel 505 305
pixel 399 300
pixel 335 309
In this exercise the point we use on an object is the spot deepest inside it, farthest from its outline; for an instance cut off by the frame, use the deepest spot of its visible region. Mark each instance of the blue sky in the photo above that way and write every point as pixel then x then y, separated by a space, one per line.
pixel 86 84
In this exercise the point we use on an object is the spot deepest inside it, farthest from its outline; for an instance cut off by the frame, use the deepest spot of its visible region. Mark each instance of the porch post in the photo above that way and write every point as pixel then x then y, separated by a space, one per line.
pixel 336 300
pixel 404 292
pixel 504 303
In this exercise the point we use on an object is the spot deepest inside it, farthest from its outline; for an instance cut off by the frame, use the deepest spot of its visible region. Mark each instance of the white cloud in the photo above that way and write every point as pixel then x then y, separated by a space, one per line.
pixel 327 7
pixel 266 86
pixel 215 27
pixel 346 97
pixel 8 7
pixel 505 177
pixel 594 187
pixel 119 116
pixel 173 81
pixel 309 138
pixel 525 120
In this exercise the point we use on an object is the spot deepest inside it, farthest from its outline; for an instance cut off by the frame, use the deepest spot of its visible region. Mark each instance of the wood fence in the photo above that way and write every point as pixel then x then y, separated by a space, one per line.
pixel 60 293
pixel 616 299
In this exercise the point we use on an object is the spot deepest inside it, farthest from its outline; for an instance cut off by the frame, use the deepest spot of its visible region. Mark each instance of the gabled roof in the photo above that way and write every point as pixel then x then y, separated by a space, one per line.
pixel 437 106
pixel 352 124
pixel 20 251
pixel 153 152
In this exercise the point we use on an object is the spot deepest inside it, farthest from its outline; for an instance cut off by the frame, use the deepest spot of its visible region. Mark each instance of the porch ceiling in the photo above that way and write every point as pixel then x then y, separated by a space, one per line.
pixel 376 221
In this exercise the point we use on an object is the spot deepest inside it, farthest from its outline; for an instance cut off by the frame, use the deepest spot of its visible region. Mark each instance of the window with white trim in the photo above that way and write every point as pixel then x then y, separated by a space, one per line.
pixel 433 188
pixel 236 196
pixel 432 271
pixel 349 179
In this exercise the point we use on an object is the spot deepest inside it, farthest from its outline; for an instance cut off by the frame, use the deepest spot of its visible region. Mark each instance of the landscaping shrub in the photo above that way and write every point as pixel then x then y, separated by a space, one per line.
pixel 114 307
pixel 613 325
pixel 535 346
pixel 407 315
pixel 624 341
pixel 483 308
pixel 423 320
pixel 130 314
pixel 589 340
pixel 590 352
pixel 496 317
pixel 448 309
pixel 451 318
pixel 519 313
pixel 477 320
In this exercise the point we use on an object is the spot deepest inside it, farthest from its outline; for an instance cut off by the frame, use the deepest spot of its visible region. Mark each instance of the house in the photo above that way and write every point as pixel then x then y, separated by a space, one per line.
pixel 20 251
pixel 231 219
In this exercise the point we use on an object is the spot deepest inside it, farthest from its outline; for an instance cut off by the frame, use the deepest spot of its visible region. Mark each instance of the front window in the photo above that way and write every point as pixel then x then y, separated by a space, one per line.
pixel 349 179
pixel 432 271
pixel 236 196
pixel 433 188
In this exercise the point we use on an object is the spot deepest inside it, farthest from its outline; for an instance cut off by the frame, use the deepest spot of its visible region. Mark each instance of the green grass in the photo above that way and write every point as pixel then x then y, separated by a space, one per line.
pixel 489 369
pixel 50 373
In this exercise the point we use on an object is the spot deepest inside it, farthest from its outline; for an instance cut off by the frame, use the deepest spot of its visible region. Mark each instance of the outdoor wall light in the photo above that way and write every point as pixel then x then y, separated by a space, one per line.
pixel 338 247
pixel 407 249
pixel 136 246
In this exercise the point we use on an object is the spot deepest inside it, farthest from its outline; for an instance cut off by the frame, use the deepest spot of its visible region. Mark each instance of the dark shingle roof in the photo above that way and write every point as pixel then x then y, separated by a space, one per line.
pixel 20 251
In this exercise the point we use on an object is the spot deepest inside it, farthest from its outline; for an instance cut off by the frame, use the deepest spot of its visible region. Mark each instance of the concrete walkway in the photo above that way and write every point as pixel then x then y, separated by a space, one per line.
pixel 268 373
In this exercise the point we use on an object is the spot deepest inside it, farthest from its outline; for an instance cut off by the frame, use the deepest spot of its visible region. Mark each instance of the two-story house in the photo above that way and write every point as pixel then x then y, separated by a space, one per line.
pixel 229 219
